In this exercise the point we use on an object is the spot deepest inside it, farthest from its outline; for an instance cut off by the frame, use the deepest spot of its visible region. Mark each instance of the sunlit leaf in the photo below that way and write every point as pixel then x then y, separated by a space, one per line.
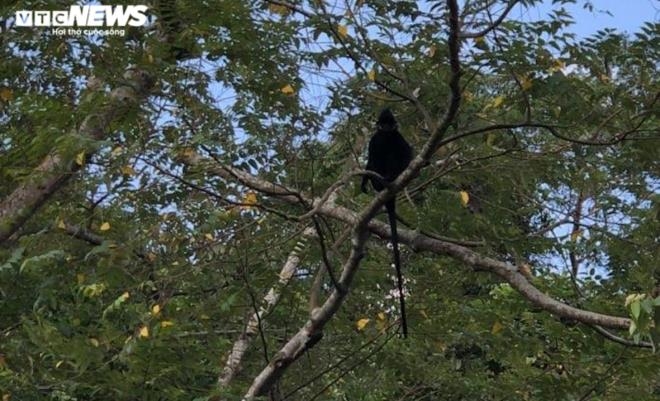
pixel 465 198
pixel 127 170
pixel 80 158
pixel 287 89
pixel 144 332
pixel 342 31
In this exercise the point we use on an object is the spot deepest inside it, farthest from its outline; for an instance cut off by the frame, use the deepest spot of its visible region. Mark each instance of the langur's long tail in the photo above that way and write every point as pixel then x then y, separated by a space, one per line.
pixel 391 213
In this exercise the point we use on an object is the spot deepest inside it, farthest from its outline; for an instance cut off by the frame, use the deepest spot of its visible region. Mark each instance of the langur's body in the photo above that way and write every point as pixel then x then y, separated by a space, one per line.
pixel 389 155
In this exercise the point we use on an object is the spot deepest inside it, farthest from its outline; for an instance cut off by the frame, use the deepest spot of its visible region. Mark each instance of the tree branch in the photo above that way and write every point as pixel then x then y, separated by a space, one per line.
pixel 56 169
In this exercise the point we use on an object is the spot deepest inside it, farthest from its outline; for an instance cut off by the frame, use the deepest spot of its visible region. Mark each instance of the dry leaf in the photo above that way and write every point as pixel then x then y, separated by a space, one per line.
pixel 80 158
pixel 127 170
pixel 288 90
pixel 362 323
pixel 342 31
pixel 465 198
pixel 144 332
pixel 278 9
pixel 497 102
pixel 249 200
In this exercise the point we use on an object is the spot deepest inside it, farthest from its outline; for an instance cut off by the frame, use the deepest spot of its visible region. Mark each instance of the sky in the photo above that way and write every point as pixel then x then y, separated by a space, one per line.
pixel 626 15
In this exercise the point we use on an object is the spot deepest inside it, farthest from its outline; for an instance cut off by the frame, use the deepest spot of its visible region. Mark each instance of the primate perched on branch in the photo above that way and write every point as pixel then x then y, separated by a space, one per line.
pixel 389 155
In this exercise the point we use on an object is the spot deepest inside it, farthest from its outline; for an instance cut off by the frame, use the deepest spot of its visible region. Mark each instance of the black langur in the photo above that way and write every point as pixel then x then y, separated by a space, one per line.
pixel 389 155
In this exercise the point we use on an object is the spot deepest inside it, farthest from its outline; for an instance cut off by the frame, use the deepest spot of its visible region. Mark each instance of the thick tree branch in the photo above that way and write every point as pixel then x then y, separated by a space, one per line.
pixel 55 170
pixel 235 357
pixel 420 242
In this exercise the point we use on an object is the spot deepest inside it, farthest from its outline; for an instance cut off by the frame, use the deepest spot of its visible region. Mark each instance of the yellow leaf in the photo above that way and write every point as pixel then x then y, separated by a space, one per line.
pixel 80 278
pixel 117 151
pixel 105 226
pixel 144 332
pixel 557 65
pixel 125 296
pixel 362 323
pixel 58 364
pixel 6 397
pixel 575 235
pixel 166 323
pixel 94 342
pixel 80 158
pixel 634 298
pixel 342 31
pixel 371 75
pixel 381 316
pixel 60 224
pixel 155 310
pixel 423 313
pixel 188 152
pixel 127 170
pixel 497 102
pixel 288 90
pixel 481 44
pixel 526 83
pixel 278 9
pixel 208 236
pixel 465 198
pixel 6 94
pixel 497 327
pixel 249 200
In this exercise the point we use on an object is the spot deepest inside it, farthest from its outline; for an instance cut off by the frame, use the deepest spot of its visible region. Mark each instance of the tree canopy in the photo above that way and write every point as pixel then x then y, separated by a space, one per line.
pixel 181 217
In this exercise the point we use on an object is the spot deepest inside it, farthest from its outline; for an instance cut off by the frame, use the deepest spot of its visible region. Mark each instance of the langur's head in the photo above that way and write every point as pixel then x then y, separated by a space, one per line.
pixel 386 120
